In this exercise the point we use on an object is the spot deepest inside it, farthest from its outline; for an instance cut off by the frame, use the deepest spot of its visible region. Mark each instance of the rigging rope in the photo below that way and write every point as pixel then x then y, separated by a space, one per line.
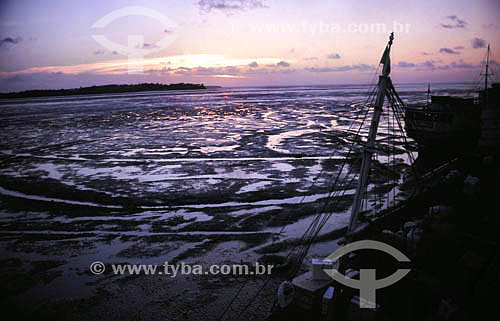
pixel 321 218
pixel 310 233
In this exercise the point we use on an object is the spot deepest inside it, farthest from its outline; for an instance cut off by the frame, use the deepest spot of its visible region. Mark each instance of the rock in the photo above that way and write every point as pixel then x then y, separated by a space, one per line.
pixel 413 239
pixel 453 174
pixel 414 235
pixel 440 210
pixel 471 186
pixel 286 292
pixel 489 160
pixel 409 225
pixel 352 274
pixel 446 309
pixel 388 233
pixel 393 239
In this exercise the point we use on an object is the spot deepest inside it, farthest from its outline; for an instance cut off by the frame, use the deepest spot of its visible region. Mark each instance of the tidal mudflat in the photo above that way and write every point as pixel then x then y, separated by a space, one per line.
pixel 215 177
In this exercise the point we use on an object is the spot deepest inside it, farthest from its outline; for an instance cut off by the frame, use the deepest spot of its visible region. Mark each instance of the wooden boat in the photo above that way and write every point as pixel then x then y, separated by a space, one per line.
pixel 458 123
pixel 489 138
pixel 446 122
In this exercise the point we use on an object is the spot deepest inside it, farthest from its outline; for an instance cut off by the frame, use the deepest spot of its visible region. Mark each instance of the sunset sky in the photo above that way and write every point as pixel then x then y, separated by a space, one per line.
pixel 49 44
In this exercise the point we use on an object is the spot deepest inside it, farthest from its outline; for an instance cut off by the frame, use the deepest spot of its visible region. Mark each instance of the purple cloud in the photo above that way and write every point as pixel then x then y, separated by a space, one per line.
pixel 453 22
pixel 9 41
pixel 454 65
pixel 404 64
pixel 449 51
pixel 428 64
pixel 491 26
pixel 359 67
pixel 283 64
pixel 462 65
pixel 334 56
pixel 207 6
pixel 478 43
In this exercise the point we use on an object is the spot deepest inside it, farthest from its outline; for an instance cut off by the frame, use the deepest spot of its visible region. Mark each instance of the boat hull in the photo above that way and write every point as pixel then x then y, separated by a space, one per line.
pixel 443 130
pixel 489 139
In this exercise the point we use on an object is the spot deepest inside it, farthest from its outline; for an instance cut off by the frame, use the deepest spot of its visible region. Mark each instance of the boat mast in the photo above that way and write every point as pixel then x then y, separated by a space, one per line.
pixel 486 74
pixel 487 66
pixel 383 84
pixel 486 78
pixel 428 92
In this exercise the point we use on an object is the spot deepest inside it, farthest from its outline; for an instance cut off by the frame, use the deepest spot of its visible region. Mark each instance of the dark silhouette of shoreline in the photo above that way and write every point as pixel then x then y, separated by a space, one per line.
pixel 106 89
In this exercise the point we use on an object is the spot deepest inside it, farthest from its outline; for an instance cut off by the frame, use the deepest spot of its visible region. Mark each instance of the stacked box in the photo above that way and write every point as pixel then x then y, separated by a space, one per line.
pixel 356 313
pixel 308 291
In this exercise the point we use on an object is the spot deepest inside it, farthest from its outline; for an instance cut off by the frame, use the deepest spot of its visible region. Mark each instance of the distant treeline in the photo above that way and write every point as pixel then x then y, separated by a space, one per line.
pixel 107 89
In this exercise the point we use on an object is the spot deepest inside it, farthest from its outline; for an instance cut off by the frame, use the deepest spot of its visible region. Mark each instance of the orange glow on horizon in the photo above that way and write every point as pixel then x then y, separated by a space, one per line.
pixel 161 64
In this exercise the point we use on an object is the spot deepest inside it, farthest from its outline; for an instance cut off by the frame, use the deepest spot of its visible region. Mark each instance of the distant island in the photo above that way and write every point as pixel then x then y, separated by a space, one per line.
pixel 106 89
